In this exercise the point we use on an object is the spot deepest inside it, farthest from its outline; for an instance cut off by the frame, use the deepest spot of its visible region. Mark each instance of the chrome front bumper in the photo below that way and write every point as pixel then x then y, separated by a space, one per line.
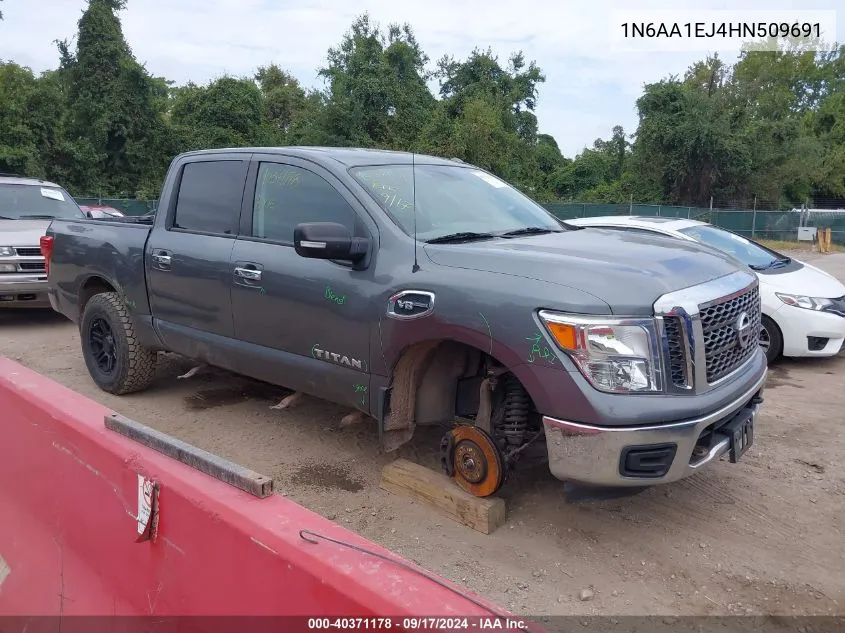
pixel 593 455
pixel 23 291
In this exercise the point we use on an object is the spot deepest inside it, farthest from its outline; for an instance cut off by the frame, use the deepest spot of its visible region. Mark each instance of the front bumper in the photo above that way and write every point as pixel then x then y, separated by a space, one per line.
pixel 797 325
pixel 19 291
pixel 597 455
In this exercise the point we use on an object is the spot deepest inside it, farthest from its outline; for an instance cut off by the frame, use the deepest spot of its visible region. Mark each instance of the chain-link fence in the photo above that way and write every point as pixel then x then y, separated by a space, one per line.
pixel 764 225
pixel 127 206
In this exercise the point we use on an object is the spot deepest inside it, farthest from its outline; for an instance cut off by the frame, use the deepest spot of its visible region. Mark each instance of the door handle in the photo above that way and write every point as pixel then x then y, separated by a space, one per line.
pixel 248 273
pixel 163 260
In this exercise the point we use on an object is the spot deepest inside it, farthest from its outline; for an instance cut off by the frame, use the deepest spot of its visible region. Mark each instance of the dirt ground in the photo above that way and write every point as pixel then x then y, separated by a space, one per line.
pixel 764 536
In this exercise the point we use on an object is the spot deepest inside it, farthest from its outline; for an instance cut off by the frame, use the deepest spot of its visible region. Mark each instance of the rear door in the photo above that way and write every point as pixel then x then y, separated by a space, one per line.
pixel 187 260
pixel 309 320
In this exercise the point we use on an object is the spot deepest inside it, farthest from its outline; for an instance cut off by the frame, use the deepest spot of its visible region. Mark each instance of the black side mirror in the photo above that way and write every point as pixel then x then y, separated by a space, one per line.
pixel 328 240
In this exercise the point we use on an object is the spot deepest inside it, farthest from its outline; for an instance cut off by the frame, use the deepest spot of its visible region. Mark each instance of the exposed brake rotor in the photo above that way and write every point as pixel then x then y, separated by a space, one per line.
pixel 472 459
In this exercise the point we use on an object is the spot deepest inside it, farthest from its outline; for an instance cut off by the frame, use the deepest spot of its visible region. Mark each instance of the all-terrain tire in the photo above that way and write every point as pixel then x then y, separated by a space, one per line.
pixel 135 365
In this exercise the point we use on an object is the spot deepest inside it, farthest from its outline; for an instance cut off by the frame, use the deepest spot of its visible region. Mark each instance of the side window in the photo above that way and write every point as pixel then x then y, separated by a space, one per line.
pixel 210 194
pixel 286 196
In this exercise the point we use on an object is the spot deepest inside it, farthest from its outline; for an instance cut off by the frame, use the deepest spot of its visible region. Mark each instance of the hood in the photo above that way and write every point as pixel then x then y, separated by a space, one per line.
pixel 628 271
pixel 807 280
pixel 22 232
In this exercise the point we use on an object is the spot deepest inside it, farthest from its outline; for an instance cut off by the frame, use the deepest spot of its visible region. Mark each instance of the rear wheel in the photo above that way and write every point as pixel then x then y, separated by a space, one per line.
pixel 771 340
pixel 117 362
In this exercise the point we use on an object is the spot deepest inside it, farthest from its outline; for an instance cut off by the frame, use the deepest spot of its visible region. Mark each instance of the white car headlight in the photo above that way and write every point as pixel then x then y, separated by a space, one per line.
pixel 615 355
pixel 6 251
pixel 801 301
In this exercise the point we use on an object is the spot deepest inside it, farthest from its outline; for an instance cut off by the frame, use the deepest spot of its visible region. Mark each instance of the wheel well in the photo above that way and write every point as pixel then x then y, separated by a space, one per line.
pixel 92 286
pixel 425 380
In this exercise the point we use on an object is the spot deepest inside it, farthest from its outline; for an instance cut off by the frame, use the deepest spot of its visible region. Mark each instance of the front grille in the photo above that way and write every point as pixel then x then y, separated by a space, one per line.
pixel 30 266
pixel 677 360
pixel 719 323
pixel 28 251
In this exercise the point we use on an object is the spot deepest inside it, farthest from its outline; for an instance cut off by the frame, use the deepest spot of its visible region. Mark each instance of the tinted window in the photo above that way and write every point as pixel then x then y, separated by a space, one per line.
pixel 450 199
pixel 210 196
pixel 286 196
pixel 32 202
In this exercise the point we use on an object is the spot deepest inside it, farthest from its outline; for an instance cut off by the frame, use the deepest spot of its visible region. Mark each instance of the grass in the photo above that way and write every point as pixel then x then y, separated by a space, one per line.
pixel 787 245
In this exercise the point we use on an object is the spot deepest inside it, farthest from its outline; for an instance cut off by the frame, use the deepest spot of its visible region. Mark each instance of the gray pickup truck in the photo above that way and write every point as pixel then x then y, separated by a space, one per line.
pixel 425 291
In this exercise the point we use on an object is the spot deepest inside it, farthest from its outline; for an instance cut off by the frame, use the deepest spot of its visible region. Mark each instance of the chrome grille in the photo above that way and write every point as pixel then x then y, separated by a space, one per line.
pixel 28 251
pixel 722 350
pixel 676 360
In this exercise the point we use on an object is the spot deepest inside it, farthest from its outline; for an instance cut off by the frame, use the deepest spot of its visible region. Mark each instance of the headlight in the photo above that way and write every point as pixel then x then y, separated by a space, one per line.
pixel 801 301
pixel 615 355
pixel 6 251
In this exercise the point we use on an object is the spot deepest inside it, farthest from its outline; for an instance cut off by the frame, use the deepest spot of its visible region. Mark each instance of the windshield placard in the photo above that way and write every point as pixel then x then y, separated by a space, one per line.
pixel 53 194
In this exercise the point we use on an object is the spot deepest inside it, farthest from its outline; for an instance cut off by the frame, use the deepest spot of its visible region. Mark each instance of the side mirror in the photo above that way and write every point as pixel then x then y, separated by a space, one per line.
pixel 328 240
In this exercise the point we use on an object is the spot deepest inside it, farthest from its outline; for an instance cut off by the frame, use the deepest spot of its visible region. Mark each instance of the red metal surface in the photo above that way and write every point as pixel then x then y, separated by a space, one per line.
pixel 68 507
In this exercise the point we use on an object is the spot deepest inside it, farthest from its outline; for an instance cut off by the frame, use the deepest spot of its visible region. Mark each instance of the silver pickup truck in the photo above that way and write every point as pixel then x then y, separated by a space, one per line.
pixel 27 206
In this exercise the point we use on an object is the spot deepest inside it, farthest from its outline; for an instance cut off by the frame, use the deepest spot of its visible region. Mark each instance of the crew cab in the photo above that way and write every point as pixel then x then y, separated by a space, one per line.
pixel 424 291
pixel 27 205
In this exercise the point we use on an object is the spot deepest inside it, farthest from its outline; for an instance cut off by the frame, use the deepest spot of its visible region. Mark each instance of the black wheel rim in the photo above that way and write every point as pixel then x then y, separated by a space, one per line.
pixel 103 349
pixel 765 340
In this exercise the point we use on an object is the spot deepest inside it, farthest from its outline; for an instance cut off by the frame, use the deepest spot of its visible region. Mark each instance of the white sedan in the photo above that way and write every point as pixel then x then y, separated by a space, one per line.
pixel 803 307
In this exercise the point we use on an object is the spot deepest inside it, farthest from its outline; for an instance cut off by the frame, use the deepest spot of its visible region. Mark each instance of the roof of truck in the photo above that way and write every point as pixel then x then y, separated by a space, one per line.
pixel 347 156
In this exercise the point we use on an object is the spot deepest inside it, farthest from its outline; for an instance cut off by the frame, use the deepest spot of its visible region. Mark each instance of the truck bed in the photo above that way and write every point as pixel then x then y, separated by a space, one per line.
pixel 112 250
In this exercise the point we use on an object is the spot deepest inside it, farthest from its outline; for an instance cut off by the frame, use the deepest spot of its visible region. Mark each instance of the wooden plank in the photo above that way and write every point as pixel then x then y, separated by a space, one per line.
pixel 440 492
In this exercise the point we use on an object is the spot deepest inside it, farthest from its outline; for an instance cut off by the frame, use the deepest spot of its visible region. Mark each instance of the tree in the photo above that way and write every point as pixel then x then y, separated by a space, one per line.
pixel 114 124
pixel 769 127
pixel 228 112
pixel 283 97
pixel 377 95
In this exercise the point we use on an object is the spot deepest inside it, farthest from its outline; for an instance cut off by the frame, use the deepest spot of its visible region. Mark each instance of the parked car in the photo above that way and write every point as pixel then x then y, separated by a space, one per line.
pixel 26 207
pixel 421 290
pixel 803 306
pixel 101 212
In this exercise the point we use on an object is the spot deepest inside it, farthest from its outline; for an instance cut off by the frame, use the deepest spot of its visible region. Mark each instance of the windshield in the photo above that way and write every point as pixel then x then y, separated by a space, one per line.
pixel 32 202
pixel 749 253
pixel 451 200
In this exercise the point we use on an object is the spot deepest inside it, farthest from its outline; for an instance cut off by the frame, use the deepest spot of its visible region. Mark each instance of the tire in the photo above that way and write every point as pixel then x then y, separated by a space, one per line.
pixel 115 359
pixel 771 340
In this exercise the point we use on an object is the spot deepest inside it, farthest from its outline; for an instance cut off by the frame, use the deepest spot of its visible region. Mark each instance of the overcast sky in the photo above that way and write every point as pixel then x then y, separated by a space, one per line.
pixel 591 85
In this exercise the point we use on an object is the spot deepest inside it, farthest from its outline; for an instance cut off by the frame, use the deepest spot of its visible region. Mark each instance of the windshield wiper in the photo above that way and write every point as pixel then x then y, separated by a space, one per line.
pixel 6 217
pixel 530 230
pixel 460 237
pixel 775 263
pixel 38 217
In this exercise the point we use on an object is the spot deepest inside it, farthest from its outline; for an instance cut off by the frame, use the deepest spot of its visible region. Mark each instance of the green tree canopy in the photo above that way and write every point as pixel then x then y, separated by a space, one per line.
pixel 770 127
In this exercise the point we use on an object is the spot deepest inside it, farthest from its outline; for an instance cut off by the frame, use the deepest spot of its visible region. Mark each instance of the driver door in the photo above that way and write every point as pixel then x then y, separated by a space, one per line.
pixel 307 319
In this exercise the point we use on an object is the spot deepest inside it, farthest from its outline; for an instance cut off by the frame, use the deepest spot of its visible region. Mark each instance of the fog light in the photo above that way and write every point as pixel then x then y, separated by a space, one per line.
pixel 8 268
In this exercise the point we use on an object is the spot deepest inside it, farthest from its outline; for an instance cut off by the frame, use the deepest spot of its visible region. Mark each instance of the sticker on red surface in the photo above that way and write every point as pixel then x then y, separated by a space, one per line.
pixel 147 509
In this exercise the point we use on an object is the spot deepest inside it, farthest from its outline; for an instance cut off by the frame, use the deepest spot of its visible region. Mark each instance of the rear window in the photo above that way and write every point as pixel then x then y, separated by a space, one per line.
pixel 34 202
pixel 209 199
